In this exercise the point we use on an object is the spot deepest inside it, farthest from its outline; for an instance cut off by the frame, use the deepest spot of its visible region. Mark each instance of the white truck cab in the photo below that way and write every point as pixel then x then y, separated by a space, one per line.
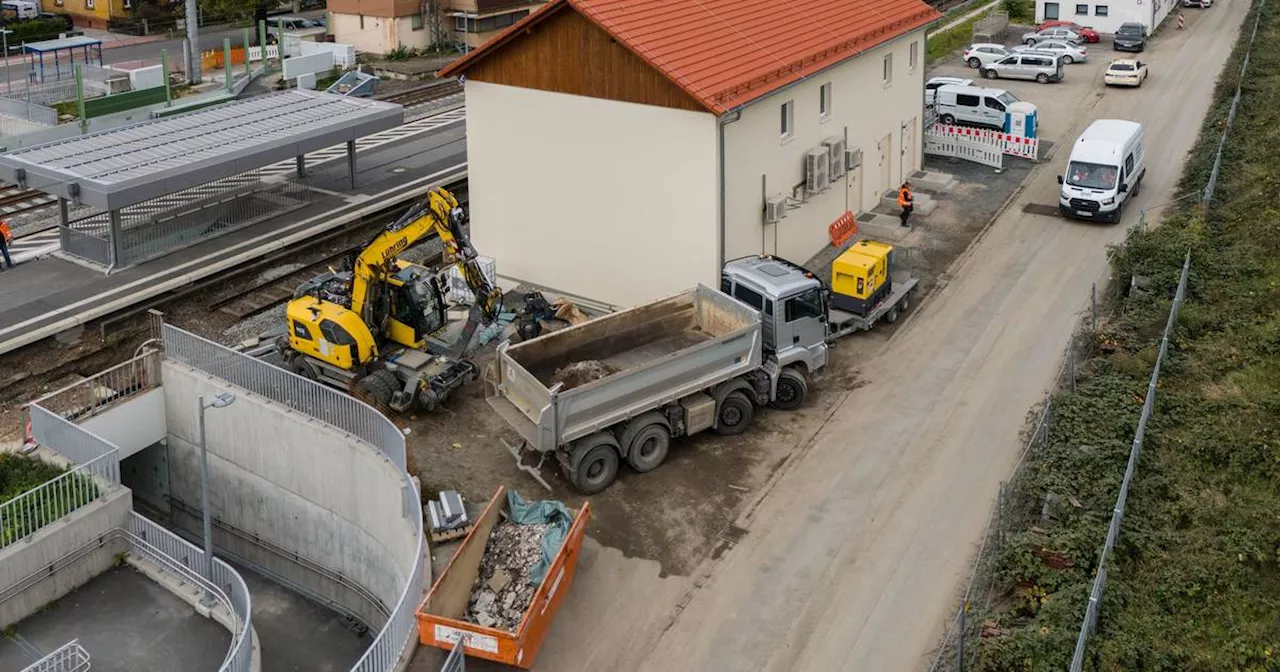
pixel 1105 170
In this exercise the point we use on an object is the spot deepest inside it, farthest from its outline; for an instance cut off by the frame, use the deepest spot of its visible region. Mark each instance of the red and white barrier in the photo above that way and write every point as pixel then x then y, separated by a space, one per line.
pixel 1013 145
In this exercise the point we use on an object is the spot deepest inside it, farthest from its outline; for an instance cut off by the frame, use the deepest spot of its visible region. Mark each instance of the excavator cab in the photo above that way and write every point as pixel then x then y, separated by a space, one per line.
pixel 417 305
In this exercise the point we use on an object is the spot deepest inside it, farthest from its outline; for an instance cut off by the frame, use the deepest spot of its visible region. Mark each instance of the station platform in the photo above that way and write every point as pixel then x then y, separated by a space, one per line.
pixel 52 294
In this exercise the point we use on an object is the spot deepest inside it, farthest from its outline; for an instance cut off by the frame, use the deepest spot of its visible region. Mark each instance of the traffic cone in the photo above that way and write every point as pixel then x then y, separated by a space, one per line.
pixel 1182 21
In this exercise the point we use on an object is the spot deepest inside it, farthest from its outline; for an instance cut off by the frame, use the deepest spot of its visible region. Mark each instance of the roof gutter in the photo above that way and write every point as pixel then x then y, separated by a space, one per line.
pixel 722 206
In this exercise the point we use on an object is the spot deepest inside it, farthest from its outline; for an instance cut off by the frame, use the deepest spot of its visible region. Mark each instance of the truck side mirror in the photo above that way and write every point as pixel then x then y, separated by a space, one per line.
pixel 1059 179
pixel 1124 188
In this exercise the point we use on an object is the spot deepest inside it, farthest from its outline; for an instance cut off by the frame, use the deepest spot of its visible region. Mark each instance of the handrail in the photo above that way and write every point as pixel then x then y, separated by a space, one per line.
pixel 47 503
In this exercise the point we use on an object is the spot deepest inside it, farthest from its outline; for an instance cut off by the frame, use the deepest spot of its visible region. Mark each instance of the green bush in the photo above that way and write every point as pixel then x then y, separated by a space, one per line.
pixel 939 45
pixel 36 30
pixel 20 474
pixel 1020 11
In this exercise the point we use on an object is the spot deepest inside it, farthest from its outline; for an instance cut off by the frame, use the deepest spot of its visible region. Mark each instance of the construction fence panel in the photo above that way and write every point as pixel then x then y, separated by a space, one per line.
pixel 122 102
pixel 961 147
pixel 32 112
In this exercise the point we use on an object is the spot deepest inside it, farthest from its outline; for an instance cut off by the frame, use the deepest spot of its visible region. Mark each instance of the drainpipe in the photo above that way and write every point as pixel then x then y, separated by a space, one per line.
pixel 722 206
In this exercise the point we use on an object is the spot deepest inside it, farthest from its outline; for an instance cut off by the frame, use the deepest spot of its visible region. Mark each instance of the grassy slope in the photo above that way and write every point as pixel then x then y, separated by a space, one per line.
pixel 1195 584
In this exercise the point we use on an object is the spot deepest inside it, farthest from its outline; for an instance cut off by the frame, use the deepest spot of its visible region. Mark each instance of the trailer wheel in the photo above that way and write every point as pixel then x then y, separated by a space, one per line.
pixel 594 463
pixel 892 315
pixel 734 415
pixel 649 448
pixel 792 390
pixel 379 386
pixel 905 303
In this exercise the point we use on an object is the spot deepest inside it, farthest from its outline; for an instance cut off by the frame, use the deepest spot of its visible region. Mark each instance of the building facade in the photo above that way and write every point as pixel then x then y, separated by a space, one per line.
pixel 90 13
pixel 1105 16
pixel 604 167
pixel 381 26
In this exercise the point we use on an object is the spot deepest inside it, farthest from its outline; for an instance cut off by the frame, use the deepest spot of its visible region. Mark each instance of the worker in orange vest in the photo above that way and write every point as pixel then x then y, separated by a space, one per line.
pixel 6 237
pixel 905 201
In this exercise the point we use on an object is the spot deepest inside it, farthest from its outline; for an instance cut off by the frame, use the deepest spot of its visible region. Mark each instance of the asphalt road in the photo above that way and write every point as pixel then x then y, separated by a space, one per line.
pixel 854 558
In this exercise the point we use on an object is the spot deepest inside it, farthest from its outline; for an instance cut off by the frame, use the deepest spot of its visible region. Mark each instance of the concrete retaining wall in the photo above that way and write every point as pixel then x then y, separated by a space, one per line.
pixel 296 483
pixel 131 425
pixel 49 548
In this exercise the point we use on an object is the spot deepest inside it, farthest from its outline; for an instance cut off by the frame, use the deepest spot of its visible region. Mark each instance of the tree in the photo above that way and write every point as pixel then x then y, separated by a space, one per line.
pixel 433 21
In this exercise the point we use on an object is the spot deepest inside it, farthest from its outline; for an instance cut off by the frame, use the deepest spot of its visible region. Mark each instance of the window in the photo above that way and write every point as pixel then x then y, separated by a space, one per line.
pixel 58 2
pixel 824 102
pixel 1050 11
pixel 88 4
pixel 300 331
pixel 788 127
pixel 749 296
pixel 1012 60
pixel 726 285
pixel 966 100
pixel 1099 10
pixel 1082 10
pixel 888 69
pixel 128 4
pixel 461 24
pixel 914 56
pixel 415 22
pixel 1128 164
pixel 335 334
pixel 993 104
pixel 806 305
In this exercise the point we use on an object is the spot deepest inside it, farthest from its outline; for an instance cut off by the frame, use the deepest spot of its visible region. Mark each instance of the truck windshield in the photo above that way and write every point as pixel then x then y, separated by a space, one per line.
pixel 1091 175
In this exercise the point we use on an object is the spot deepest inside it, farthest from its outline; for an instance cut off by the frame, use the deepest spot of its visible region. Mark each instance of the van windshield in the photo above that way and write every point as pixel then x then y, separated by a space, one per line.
pixel 1092 175
pixel 1007 98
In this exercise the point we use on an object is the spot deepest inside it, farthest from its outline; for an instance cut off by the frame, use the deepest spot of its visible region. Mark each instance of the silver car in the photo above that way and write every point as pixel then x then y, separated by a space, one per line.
pixel 1056 33
pixel 1070 53
pixel 1043 67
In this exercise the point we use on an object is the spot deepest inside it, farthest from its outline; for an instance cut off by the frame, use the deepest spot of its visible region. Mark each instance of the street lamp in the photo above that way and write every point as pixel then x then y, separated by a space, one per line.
pixel 4 34
pixel 220 400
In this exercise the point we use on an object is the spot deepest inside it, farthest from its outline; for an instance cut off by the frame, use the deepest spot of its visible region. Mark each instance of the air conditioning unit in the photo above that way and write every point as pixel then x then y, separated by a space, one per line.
pixel 775 209
pixel 835 146
pixel 852 158
pixel 817 170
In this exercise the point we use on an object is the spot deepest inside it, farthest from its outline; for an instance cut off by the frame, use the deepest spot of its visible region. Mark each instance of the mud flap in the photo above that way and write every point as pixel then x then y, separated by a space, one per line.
pixel 534 470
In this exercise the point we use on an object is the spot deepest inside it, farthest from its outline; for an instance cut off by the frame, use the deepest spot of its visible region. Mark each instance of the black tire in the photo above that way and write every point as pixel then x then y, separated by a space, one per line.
pixel 379 386
pixel 975 62
pixel 1068 60
pixel 734 415
pixel 792 390
pixel 892 315
pixel 989 73
pixel 300 366
pixel 596 458
pixel 1042 78
pixel 905 303
pixel 1031 43
pixel 649 448
pixel 947 119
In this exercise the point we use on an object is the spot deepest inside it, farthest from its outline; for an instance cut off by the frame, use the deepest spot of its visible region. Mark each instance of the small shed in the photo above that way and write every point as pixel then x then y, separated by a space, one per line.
pixel 88 48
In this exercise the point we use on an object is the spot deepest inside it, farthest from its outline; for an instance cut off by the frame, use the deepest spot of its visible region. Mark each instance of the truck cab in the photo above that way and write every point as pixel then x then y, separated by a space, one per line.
pixel 793 306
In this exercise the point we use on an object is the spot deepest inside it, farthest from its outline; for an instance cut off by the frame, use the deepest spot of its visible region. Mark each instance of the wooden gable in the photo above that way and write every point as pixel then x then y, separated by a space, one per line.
pixel 566 53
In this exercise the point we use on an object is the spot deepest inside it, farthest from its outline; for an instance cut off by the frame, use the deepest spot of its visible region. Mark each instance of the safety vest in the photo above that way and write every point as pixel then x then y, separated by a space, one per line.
pixel 904 197
pixel 4 231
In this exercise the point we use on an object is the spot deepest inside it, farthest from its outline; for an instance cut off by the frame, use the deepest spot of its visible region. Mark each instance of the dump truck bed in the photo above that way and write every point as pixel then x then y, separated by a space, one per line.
pixel 440 617
pixel 645 356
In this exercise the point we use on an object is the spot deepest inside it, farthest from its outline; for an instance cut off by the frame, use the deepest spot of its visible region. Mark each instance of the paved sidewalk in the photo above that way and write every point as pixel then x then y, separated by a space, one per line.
pixel 112 40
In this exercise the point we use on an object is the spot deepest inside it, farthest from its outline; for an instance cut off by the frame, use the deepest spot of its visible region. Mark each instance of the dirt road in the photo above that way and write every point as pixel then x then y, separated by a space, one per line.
pixel 853 557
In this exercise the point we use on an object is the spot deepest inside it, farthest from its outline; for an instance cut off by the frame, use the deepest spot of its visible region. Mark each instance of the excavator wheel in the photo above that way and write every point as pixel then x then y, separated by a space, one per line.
pixel 379 386
pixel 300 366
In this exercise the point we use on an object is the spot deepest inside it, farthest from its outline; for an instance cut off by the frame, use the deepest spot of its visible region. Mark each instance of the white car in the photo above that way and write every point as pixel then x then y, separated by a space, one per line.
pixel 1125 72
pixel 983 53
pixel 931 87
pixel 1070 53
pixel 1056 33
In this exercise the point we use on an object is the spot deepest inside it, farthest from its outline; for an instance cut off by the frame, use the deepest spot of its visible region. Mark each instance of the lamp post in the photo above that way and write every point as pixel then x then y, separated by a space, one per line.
pixel 4 35
pixel 220 400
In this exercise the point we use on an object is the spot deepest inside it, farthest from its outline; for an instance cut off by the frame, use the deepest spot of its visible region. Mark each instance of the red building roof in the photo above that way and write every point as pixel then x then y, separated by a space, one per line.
pixel 725 53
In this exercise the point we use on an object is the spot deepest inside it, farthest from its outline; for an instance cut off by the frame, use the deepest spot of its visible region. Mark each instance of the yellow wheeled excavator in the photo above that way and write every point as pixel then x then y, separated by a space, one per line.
pixel 374 328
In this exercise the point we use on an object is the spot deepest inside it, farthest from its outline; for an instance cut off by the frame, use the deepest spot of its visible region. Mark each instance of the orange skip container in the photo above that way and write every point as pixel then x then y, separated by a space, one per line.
pixel 440 621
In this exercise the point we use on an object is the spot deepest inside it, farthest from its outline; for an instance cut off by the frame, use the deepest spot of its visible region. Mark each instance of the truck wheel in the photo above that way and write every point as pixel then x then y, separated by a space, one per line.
pixel 734 415
pixel 792 389
pixel 596 458
pixel 379 386
pixel 649 448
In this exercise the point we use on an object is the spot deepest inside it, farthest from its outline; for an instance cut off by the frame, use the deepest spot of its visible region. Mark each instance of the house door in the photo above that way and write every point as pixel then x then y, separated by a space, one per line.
pixel 885 178
pixel 1050 11
pixel 908 149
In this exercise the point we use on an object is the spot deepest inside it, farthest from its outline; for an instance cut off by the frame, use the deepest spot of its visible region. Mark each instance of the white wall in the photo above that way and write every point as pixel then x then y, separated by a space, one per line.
pixel 376 35
pixel 864 109
pixel 1118 12
pixel 611 201
pixel 131 425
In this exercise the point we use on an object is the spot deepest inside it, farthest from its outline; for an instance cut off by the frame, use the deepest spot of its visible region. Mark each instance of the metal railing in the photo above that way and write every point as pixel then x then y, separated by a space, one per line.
pixel 1090 623
pixel 346 414
pixel 174 554
pixel 1231 113
pixel 70 657
pixel 288 389
pixel 101 391
pixel 73 442
pixel 47 503
pixel 32 112
pixel 457 660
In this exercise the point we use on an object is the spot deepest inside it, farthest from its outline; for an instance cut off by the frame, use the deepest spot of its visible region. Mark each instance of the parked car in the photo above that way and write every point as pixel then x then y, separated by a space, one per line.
pixel 1090 35
pixel 981 53
pixel 931 87
pixel 1130 37
pixel 58 16
pixel 1125 72
pixel 973 105
pixel 1041 66
pixel 1070 53
pixel 1059 33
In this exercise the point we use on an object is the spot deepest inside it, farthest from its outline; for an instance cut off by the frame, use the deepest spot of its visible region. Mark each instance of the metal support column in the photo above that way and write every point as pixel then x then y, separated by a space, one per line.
pixel 301 161
pixel 63 232
pixel 248 69
pixel 164 72
pixel 114 236
pixel 226 61
pixel 351 162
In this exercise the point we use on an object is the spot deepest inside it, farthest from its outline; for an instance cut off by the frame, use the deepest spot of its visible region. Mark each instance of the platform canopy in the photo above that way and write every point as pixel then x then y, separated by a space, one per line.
pixel 124 166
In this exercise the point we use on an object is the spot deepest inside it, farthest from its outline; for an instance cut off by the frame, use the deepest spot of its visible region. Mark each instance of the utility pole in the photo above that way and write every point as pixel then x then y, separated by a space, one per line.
pixel 193 42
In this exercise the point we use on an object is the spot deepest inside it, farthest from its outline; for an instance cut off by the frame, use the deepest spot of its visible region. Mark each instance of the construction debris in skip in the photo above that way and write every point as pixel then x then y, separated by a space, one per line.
pixel 578 374
pixel 503 588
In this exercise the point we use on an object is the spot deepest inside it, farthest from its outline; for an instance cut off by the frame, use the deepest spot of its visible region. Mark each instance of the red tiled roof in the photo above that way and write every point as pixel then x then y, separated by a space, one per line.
pixel 726 53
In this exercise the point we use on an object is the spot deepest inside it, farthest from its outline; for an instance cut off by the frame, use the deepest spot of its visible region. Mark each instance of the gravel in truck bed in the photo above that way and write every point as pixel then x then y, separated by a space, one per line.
pixel 503 588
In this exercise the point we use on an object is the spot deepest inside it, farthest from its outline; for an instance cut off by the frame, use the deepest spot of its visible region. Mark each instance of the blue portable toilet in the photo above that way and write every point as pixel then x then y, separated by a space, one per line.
pixel 1020 120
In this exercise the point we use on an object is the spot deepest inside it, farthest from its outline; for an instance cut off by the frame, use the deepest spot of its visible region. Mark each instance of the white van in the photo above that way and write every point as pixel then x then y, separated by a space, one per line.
pixel 972 105
pixel 1105 170
pixel 19 10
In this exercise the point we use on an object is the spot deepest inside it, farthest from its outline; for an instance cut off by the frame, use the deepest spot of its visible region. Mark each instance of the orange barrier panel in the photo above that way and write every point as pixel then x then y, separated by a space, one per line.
pixel 843 229
pixel 440 621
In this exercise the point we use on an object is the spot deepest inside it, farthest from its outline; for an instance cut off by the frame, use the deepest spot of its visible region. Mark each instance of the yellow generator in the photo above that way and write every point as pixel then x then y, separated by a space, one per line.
pixel 860 278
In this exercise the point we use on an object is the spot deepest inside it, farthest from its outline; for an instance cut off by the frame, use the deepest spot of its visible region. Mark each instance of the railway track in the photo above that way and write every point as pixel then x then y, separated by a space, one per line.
pixel 422 95
pixel 14 200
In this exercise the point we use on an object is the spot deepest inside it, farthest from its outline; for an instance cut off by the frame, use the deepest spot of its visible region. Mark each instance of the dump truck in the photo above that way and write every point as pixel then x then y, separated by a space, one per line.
pixel 441 616
pixel 620 387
